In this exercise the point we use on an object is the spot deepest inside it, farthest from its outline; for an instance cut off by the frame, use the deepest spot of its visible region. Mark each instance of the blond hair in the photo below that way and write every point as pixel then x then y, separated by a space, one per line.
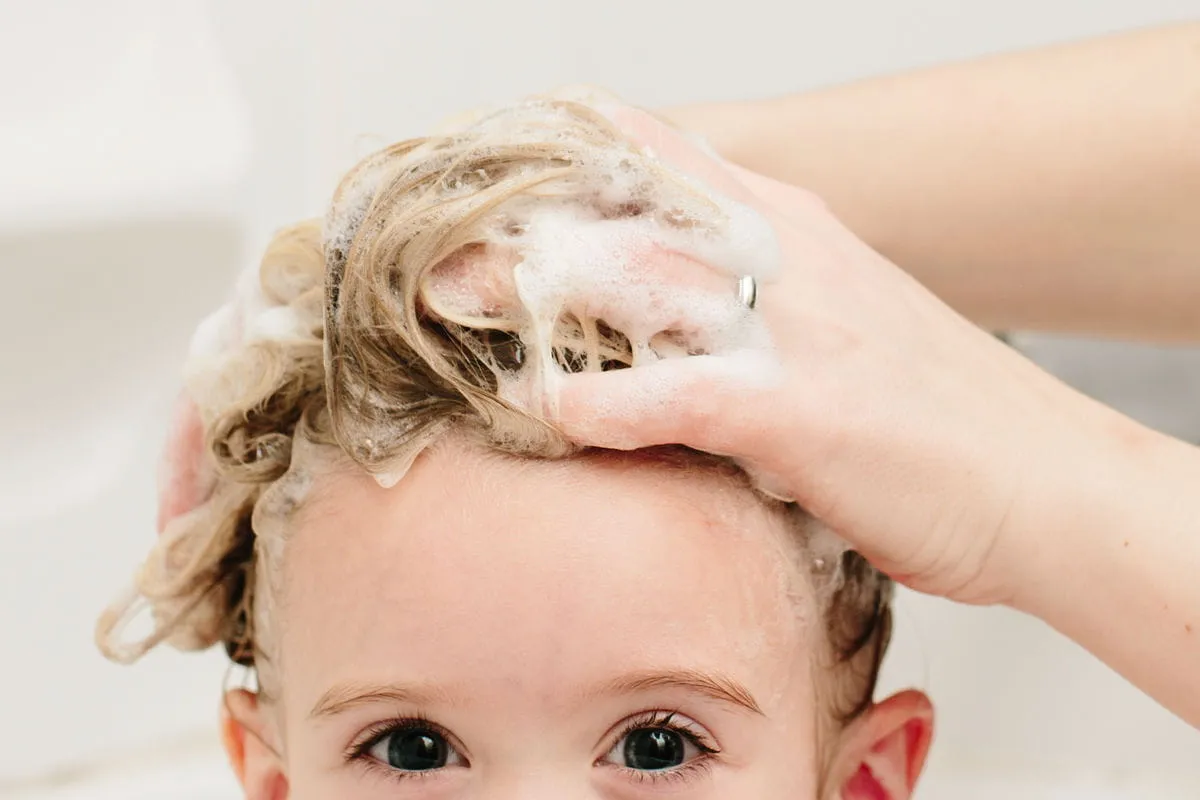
pixel 373 367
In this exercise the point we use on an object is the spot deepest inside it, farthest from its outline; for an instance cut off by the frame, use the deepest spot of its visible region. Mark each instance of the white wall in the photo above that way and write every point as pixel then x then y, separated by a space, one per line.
pixel 240 121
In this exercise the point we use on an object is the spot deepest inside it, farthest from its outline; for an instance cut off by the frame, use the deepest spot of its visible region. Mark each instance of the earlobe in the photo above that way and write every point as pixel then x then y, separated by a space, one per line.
pixel 233 739
pixel 255 762
pixel 885 750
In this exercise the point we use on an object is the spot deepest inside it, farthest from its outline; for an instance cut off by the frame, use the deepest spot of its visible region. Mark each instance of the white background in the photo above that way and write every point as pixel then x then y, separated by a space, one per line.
pixel 147 149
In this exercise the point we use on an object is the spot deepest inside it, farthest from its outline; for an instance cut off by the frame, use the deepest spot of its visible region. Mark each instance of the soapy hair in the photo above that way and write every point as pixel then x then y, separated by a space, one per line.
pixel 373 367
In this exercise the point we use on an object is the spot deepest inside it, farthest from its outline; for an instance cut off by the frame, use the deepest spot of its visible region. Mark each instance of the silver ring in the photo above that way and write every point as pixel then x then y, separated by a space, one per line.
pixel 747 291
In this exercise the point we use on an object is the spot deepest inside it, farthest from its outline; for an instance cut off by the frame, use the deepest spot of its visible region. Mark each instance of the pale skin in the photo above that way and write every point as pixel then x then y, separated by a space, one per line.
pixel 1054 189
pixel 530 613
pixel 952 462
pixel 956 465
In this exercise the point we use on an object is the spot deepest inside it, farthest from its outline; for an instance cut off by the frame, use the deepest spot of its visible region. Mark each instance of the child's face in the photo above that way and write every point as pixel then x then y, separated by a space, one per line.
pixel 492 628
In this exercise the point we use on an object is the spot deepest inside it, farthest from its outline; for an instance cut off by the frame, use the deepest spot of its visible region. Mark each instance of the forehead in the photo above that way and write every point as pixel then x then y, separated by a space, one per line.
pixel 535 578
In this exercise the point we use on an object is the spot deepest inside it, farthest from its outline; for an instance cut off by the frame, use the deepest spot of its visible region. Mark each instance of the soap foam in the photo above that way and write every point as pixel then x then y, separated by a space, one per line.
pixel 589 245
pixel 588 248
pixel 603 256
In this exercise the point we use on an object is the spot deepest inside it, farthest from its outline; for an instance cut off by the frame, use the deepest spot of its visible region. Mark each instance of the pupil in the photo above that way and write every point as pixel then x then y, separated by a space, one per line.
pixel 417 751
pixel 654 749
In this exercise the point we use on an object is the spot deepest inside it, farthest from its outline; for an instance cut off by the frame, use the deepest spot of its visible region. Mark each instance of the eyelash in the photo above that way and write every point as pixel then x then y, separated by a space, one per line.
pixel 664 719
pixel 360 750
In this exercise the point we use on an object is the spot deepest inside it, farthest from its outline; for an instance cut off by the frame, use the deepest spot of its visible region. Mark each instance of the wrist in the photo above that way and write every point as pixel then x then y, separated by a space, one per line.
pixel 1120 578
pixel 1097 519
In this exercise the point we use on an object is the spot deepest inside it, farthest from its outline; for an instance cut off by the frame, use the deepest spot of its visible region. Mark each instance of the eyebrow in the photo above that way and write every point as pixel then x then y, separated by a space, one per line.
pixel 716 687
pixel 347 697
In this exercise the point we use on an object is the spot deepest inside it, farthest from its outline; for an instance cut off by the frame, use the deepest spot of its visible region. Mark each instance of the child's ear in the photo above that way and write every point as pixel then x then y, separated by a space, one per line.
pixel 883 751
pixel 255 760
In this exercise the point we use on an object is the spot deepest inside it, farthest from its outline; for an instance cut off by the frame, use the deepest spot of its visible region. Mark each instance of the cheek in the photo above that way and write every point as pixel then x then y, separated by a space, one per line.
pixel 304 782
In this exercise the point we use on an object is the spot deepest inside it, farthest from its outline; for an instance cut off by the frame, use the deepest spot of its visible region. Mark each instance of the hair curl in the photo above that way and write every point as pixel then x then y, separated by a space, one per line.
pixel 371 365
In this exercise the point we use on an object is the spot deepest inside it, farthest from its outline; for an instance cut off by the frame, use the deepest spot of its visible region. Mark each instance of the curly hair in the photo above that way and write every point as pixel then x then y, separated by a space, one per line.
pixel 367 362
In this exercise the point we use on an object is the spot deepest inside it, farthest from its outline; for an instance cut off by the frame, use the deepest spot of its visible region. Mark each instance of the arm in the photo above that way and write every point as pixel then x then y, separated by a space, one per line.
pixel 1056 189
pixel 1112 559
pixel 946 458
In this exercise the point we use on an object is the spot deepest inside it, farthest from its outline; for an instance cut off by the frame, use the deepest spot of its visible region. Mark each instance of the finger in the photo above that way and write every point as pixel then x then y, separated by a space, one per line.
pixel 688 401
pixel 633 408
pixel 746 186
pixel 184 483
pixel 790 211
pixel 475 281
pixel 666 292
pixel 676 149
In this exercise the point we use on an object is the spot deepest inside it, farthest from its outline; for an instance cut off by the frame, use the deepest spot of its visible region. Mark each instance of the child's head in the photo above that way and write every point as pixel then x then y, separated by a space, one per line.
pixel 513 617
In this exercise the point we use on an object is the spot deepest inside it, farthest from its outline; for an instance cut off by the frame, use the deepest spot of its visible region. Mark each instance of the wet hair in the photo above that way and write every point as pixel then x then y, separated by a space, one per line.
pixel 372 367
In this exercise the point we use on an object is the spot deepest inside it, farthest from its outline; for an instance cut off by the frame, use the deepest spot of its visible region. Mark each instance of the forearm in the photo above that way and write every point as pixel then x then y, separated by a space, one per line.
pixel 1117 566
pixel 1056 189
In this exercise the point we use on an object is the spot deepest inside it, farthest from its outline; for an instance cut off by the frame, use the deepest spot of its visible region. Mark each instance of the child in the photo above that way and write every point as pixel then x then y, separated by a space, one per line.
pixel 440 596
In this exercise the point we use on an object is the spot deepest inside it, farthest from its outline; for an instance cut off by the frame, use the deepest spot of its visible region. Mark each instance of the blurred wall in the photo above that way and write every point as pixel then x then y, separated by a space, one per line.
pixel 282 98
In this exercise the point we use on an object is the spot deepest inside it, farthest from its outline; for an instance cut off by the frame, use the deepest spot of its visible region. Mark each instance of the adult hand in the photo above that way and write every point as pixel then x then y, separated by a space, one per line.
pixel 934 449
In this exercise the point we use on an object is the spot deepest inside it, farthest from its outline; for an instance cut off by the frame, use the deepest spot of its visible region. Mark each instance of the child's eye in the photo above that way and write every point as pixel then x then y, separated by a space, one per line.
pixel 660 743
pixel 414 749
pixel 655 749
